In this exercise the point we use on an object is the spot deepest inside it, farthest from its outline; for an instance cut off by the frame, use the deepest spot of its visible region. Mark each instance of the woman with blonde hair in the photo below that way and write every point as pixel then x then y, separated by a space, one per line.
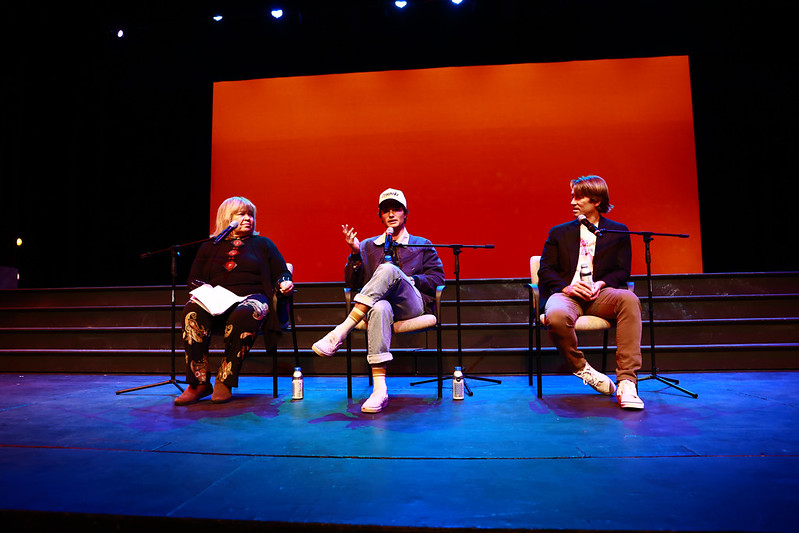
pixel 249 266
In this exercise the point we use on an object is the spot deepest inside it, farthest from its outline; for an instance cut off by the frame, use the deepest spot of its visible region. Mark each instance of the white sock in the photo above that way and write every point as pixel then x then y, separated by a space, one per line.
pixel 379 379
pixel 343 329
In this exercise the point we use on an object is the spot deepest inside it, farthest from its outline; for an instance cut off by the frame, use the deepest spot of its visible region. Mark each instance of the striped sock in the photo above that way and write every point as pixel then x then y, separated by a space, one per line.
pixel 343 329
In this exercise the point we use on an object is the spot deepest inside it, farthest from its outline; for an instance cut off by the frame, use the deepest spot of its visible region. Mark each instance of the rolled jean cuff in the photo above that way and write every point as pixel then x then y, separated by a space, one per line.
pixel 363 299
pixel 377 358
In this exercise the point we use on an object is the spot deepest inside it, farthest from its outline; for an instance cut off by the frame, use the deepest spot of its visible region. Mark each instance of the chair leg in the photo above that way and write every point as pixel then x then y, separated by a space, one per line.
pixel 440 363
pixel 349 367
pixel 530 354
pixel 538 360
pixel 530 326
pixel 294 334
pixel 274 373
pixel 369 369
pixel 605 353
pixel 271 350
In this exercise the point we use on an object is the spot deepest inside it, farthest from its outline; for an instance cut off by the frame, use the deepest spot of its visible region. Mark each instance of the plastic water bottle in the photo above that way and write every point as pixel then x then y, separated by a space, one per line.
pixel 586 275
pixel 296 385
pixel 457 384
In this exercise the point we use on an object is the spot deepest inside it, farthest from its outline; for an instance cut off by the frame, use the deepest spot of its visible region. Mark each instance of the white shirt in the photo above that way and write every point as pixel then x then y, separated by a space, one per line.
pixel 587 250
pixel 403 237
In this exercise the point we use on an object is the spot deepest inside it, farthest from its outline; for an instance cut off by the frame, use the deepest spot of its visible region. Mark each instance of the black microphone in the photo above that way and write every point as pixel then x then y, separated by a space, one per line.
pixel 225 232
pixel 593 229
pixel 388 244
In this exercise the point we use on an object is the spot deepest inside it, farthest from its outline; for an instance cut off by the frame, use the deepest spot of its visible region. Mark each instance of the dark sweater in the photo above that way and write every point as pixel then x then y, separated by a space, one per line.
pixel 260 268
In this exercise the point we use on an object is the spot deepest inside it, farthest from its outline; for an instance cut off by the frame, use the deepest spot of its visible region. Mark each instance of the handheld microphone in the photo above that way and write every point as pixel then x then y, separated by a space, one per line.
pixel 593 229
pixel 225 232
pixel 389 242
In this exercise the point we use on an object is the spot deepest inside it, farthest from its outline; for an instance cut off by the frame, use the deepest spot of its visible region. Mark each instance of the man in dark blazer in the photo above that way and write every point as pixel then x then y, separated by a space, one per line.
pixel 585 273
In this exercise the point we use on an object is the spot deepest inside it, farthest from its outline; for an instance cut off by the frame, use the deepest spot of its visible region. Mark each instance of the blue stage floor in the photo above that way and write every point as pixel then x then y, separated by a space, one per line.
pixel 502 459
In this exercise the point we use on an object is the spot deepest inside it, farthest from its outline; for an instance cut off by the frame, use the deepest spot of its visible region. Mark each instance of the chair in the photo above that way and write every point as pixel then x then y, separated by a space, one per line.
pixel 284 307
pixel 412 325
pixel 537 322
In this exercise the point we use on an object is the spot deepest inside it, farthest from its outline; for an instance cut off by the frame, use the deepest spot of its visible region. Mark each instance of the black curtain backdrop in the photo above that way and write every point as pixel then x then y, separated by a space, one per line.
pixel 105 142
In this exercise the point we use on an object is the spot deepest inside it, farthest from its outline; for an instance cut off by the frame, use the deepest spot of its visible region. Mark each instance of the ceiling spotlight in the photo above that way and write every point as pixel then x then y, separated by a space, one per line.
pixel 120 34
pixel 457 2
pixel 400 3
pixel 277 13
pixel 217 18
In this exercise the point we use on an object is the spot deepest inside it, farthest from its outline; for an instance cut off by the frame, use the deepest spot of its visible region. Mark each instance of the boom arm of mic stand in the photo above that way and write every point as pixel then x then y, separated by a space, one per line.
pixel 645 233
pixel 174 247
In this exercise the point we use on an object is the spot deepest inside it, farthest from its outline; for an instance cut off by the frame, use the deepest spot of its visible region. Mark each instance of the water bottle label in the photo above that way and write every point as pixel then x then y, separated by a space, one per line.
pixel 457 389
pixel 296 390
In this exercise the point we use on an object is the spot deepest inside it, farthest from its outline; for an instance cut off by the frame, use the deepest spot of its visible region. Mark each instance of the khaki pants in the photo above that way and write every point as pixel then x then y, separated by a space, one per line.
pixel 620 305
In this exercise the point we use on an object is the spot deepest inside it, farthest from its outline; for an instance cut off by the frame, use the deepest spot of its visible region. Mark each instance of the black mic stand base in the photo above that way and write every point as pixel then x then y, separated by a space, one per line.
pixel 671 382
pixel 478 378
pixel 465 383
pixel 168 382
pixel 173 307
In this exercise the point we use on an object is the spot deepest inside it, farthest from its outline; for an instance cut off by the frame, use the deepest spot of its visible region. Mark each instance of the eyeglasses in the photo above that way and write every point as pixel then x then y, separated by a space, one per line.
pixel 231 255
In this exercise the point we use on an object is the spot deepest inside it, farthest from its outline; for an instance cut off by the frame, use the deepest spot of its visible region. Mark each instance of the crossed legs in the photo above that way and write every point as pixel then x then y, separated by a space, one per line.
pixel 388 296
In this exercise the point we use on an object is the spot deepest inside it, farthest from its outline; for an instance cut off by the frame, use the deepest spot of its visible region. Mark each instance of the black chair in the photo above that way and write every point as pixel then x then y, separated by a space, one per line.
pixel 412 325
pixel 537 323
pixel 284 307
pixel 271 345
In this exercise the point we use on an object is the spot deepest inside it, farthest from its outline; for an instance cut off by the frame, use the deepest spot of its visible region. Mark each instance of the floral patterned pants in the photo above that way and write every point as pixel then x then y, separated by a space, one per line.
pixel 241 325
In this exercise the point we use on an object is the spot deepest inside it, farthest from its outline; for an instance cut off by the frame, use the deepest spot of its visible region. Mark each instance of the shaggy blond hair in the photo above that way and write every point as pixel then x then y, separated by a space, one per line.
pixel 230 207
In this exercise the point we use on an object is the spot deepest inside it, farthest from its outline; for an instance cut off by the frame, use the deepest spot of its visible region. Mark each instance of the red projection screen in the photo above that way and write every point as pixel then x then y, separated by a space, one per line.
pixel 484 155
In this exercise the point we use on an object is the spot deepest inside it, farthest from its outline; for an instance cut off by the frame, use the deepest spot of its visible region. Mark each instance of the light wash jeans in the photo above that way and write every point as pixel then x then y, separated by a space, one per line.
pixel 390 295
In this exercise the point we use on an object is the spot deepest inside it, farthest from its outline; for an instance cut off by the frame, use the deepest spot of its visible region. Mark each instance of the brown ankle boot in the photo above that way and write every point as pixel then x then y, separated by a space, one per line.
pixel 221 393
pixel 193 393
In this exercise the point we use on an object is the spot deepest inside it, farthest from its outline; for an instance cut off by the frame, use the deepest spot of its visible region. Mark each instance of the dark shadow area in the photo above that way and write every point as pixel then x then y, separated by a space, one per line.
pixel 105 144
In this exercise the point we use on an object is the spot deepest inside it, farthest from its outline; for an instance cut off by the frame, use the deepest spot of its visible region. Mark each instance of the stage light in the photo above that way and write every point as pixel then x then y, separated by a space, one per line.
pixel 400 3
pixel 19 241
pixel 217 18
pixel 120 34
pixel 457 2
pixel 277 13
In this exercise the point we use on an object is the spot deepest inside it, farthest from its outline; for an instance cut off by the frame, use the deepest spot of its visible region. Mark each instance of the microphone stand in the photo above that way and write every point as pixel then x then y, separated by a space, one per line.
pixel 647 236
pixel 174 253
pixel 456 250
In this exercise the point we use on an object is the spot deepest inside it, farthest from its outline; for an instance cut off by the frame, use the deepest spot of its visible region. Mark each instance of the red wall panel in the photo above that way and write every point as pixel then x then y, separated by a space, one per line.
pixel 484 155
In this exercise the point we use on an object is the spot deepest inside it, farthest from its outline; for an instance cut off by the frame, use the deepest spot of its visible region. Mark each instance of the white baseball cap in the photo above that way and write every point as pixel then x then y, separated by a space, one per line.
pixel 392 194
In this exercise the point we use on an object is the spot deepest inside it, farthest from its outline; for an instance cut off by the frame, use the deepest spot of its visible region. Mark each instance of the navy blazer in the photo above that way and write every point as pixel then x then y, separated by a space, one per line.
pixel 612 257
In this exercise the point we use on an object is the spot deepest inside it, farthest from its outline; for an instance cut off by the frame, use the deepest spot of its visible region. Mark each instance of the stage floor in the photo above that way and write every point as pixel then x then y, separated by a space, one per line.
pixel 501 459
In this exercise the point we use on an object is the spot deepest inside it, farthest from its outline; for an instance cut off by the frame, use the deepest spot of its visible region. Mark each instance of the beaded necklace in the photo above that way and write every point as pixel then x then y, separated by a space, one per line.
pixel 231 255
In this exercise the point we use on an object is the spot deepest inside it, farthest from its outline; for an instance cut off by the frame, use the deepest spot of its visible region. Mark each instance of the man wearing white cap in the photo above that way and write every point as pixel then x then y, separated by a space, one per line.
pixel 394 287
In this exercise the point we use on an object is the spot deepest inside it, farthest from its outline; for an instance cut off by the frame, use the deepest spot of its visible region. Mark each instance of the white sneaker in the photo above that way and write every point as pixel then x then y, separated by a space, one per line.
pixel 627 396
pixel 375 403
pixel 598 381
pixel 327 345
